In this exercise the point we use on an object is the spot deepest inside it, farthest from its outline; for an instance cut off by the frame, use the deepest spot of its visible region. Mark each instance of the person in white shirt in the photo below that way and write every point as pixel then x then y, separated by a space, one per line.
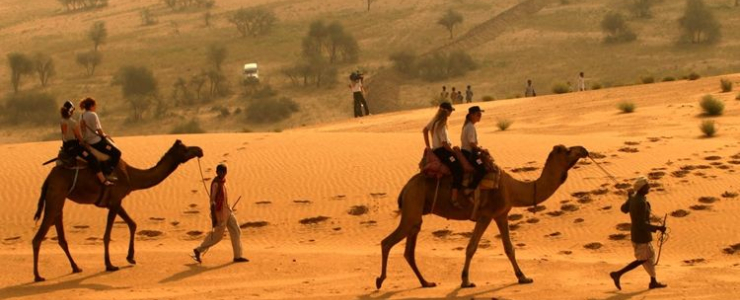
pixel 358 94
pixel 94 135
pixel 471 149
pixel 529 91
pixel 581 82
pixel 442 147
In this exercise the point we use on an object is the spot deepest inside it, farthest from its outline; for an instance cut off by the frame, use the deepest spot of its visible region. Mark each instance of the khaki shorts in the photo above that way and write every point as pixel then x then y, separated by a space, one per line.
pixel 644 251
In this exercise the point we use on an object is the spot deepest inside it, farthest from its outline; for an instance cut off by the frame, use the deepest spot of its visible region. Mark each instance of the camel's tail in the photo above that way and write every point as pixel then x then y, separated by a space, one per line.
pixel 42 200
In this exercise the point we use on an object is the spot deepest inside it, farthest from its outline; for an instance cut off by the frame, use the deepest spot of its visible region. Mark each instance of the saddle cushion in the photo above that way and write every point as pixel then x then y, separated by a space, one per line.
pixel 431 166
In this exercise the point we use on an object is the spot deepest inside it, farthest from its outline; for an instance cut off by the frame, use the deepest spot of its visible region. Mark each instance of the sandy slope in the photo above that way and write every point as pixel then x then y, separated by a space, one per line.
pixel 366 162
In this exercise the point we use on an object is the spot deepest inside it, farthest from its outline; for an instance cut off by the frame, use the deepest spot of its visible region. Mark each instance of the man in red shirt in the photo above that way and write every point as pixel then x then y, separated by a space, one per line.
pixel 223 218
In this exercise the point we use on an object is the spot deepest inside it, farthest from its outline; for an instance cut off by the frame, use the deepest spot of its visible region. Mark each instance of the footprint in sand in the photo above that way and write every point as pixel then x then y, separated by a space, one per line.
pixel 622 186
pixel 578 220
pixel 708 200
pixel 157 219
pixel 728 194
pixel 713 158
pixel 314 220
pixel 81 226
pixel 533 220
pixel 337 228
pixel 618 236
pixel 339 197
pixel 593 246
pixel 302 201
pixel 734 162
pixel 514 227
pixel 569 207
pixel 624 226
pixel 191 212
pixel 358 210
pixel 442 233
pixel 524 169
pixel 565 252
pixel 656 175
pixel 628 150
pixel 149 233
pixel 369 223
pixel 608 207
pixel 732 249
pixel 653 139
pixel 256 224
pixel 700 207
pixel 694 261
pixel 631 143
pixel 515 217
pixel 554 234
pixel 555 213
pixel 174 223
pixel 378 195
pixel 679 213
pixel 193 205
pixel 12 240
pixel 596 155
pixel 263 202
pixel 536 209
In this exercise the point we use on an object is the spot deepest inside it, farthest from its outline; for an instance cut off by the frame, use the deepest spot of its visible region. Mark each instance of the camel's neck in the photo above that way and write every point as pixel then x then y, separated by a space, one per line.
pixel 144 179
pixel 535 192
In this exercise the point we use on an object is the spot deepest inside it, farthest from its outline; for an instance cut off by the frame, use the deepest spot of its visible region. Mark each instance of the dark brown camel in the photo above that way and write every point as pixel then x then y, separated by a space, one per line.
pixel 88 190
pixel 417 196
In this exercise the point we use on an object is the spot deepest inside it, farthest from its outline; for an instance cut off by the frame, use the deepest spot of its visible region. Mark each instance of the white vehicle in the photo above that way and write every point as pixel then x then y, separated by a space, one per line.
pixel 251 71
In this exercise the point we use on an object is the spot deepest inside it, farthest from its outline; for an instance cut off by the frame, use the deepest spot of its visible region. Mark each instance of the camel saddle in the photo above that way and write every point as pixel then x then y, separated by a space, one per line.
pixel 66 160
pixel 432 167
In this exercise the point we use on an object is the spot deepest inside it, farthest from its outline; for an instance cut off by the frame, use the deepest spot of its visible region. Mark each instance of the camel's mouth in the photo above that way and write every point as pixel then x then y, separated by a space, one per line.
pixel 579 151
pixel 195 152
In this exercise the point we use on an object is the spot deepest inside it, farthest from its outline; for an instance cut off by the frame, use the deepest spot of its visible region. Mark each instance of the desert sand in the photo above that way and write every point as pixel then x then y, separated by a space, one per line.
pixel 326 170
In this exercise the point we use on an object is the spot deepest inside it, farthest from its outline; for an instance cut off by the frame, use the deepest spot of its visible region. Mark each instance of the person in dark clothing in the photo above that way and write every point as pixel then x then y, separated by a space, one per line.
pixel 71 146
pixel 442 147
pixel 469 95
pixel 471 149
pixel 639 209
pixel 94 135
pixel 358 95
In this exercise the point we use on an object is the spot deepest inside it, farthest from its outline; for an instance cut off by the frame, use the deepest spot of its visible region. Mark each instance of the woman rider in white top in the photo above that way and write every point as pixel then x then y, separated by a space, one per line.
pixel 442 147
pixel 471 149
pixel 95 137
pixel 71 138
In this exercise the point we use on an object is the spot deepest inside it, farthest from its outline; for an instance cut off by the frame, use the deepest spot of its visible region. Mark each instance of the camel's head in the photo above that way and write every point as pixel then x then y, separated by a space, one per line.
pixel 183 153
pixel 565 158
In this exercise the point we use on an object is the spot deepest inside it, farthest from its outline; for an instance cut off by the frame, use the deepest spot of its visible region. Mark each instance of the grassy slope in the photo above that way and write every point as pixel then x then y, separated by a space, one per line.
pixel 548 47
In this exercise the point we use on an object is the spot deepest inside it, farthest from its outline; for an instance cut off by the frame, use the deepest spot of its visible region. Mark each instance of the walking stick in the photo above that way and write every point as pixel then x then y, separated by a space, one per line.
pixel 434 201
pixel 661 239
pixel 235 203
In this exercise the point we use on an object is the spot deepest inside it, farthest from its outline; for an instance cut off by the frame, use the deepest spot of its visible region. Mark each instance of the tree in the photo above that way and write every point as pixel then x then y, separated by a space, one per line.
pixel 217 81
pixel 216 55
pixel 616 29
pixel 197 82
pixel 253 21
pixel 698 24
pixel 44 66
pixel 371 2
pixel 180 92
pixel 147 18
pixel 330 40
pixel 642 8
pixel 207 17
pixel 449 20
pixel 90 60
pixel 20 65
pixel 98 34
pixel 138 86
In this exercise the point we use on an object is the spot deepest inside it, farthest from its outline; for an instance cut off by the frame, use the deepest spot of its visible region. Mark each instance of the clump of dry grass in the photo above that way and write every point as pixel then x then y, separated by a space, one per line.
pixel 726 85
pixel 504 124
pixel 708 128
pixel 711 105
pixel 626 106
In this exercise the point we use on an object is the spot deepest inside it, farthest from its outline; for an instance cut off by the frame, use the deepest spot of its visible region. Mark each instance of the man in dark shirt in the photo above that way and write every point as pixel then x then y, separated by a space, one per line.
pixel 639 209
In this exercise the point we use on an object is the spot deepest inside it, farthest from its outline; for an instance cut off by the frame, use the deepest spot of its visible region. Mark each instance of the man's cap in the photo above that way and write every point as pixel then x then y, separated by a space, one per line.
pixel 447 106
pixel 475 109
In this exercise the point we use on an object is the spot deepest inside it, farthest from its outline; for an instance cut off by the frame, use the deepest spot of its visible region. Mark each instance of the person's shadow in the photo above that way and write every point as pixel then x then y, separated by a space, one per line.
pixel 33 288
pixel 376 295
pixel 620 296
pixel 193 270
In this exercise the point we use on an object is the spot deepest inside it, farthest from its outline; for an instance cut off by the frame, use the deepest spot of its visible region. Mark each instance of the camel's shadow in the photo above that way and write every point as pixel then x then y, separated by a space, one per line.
pixel 193 270
pixel 452 295
pixel 33 288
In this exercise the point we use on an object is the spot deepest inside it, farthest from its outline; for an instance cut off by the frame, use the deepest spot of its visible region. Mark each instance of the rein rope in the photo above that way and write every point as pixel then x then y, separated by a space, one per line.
pixel 203 181
pixel 434 201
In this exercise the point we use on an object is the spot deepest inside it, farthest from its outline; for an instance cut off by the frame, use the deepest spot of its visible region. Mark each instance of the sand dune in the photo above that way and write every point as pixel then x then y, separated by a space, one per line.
pixel 327 170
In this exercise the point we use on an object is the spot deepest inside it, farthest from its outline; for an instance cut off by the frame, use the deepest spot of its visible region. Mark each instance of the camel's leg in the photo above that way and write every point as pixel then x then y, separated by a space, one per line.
pixel 63 243
pixel 480 229
pixel 43 229
pixel 112 212
pixel 394 238
pixel 503 227
pixel 410 255
pixel 132 231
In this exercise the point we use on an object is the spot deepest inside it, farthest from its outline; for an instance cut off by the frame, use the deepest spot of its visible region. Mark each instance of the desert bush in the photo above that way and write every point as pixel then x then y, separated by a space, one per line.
pixel 626 106
pixel 147 18
pixel 253 21
pixel 616 29
pixel 192 126
pixel 183 4
pixel 444 66
pixel 90 61
pixel 488 98
pixel 222 111
pixel 668 78
pixel 708 128
pixel 642 8
pixel 647 79
pixel 698 24
pixel 404 62
pixel 271 110
pixel 726 85
pixel 138 86
pixel 596 86
pixel 31 107
pixel 20 65
pixel 504 124
pixel 44 66
pixel 450 20
pixel 76 5
pixel 216 55
pixel 560 88
pixel 98 34
pixel 330 42
pixel 693 76
pixel 712 106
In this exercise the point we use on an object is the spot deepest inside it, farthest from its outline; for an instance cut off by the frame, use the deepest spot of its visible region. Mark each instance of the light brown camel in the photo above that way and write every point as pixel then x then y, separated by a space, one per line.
pixel 417 196
pixel 56 190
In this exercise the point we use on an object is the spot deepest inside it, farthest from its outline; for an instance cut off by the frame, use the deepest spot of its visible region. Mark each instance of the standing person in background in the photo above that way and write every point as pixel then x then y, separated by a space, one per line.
pixel 641 231
pixel 459 97
pixel 453 96
pixel 358 94
pixel 444 95
pixel 529 91
pixel 222 218
pixel 581 83
pixel 469 95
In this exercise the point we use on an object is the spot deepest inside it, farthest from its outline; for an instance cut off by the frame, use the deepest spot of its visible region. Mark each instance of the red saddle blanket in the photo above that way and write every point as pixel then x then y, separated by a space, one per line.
pixel 431 166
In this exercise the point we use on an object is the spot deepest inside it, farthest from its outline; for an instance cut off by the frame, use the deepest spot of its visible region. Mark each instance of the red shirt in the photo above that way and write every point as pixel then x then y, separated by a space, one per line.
pixel 218 193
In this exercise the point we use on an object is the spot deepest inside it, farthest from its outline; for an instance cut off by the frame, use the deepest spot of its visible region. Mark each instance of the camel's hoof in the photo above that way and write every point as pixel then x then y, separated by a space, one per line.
pixel 429 285
pixel 39 279
pixel 467 286
pixel 112 268
pixel 131 260
pixel 525 280
pixel 378 282
pixel 76 270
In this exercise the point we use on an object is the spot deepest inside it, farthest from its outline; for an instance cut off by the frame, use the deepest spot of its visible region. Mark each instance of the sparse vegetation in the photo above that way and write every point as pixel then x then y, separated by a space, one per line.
pixel 626 106
pixel 369 2
pixel 20 65
pixel 712 106
pixel 253 21
pixel 405 62
pixel 642 8
pixel 450 20
pixel 616 29
pixel 79 5
pixel 488 98
pixel 192 126
pixel 668 78
pixel 693 76
pixel 698 24
pixel 90 61
pixel 98 34
pixel 708 128
pixel 216 55
pixel 183 4
pixel 138 87
pixel 560 88
pixel 647 79
pixel 147 17
pixel 31 107
pixel 44 66
pixel 330 41
pixel 504 124
pixel 596 86
pixel 726 85
pixel 271 110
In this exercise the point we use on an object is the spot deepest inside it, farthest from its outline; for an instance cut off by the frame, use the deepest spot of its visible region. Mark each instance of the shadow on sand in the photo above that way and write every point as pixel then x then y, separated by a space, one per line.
pixel 193 270
pixel 621 296
pixel 34 289
pixel 376 295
